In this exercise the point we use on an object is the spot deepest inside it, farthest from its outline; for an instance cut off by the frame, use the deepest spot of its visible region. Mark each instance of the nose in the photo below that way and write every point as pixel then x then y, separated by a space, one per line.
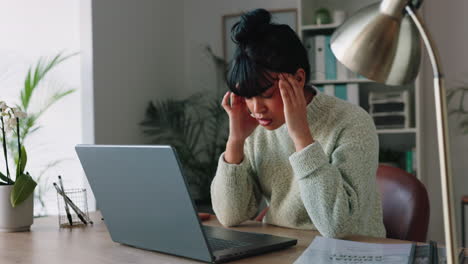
pixel 258 106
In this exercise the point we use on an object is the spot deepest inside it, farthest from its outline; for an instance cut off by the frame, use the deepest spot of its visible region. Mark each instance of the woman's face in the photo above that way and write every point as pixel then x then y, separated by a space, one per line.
pixel 267 108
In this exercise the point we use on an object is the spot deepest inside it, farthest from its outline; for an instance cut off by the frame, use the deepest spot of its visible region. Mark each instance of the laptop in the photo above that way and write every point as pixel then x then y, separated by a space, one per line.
pixel 143 197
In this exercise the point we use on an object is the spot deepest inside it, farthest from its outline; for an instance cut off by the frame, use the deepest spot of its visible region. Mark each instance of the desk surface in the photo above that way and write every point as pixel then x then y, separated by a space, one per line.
pixel 47 243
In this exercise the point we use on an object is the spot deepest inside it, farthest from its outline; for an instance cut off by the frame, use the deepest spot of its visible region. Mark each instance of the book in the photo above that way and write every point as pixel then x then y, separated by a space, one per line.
pixel 328 250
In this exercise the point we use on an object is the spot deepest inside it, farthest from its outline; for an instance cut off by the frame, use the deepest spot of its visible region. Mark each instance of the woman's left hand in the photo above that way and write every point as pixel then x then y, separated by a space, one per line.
pixel 295 112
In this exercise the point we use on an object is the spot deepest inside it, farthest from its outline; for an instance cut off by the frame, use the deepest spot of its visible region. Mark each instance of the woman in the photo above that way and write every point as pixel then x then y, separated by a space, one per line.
pixel 312 156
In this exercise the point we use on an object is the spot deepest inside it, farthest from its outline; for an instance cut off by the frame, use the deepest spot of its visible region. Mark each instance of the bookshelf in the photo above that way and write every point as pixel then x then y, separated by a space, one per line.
pixel 399 144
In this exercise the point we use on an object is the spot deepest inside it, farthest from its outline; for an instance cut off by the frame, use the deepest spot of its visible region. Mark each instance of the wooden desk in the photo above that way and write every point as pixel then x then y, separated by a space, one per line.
pixel 47 243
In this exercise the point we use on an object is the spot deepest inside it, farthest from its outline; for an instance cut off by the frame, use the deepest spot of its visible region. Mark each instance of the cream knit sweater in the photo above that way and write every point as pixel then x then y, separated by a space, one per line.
pixel 329 186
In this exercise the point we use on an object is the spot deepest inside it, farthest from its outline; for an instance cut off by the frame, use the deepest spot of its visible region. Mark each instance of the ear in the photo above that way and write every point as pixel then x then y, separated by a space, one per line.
pixel 300 76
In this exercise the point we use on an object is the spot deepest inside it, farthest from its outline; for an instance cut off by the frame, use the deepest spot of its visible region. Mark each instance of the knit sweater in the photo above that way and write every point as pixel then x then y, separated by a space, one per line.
pixel 329 186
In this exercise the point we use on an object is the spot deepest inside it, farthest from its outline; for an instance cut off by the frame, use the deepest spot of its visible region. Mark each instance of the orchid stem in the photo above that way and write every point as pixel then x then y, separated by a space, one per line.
pixel 19 145
pixel 4 148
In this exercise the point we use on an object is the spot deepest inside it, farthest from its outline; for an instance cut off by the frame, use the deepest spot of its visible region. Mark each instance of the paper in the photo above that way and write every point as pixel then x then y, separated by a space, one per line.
pixel 326 250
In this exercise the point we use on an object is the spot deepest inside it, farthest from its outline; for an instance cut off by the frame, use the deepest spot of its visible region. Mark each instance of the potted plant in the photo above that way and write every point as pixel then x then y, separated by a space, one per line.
pixel 16 195
pixel 37 96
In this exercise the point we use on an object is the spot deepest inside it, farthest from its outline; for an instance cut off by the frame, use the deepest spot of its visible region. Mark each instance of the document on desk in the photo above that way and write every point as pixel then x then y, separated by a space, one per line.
pixel 327 250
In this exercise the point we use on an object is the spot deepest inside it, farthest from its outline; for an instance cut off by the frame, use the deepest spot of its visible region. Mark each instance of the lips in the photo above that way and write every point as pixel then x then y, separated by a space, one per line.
pixel 264 121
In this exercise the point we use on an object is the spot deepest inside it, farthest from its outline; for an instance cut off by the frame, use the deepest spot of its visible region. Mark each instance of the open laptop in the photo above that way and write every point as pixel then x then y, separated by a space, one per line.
pixel 144 199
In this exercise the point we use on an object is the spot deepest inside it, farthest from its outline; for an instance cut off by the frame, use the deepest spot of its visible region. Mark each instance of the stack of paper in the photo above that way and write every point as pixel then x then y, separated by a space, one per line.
pixel 326 250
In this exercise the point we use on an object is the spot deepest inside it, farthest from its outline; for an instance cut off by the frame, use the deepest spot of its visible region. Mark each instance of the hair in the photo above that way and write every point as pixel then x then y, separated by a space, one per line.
pixel 263 47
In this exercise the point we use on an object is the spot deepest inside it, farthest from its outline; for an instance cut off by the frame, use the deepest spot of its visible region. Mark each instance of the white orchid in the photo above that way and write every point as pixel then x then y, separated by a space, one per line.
pixel 3 106
pixel 18 113
pixel 11 124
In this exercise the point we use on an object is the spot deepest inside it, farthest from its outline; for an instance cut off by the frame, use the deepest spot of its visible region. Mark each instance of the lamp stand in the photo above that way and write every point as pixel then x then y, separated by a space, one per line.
pixel 442 139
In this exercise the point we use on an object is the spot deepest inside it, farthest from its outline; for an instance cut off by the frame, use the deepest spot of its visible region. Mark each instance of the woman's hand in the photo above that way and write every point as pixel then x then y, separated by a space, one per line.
pixel 241 125
pixel 295 112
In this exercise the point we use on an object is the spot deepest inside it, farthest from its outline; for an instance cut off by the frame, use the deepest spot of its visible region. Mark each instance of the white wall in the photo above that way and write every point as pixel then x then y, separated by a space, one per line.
pixel 446 21
pixel 29 30
pixel 137 56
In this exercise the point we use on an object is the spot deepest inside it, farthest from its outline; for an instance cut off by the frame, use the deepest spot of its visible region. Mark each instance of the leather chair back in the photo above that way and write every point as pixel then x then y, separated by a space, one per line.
pixel 405 204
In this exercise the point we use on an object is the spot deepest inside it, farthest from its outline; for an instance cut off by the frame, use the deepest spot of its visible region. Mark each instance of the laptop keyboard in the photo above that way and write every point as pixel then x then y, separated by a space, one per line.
pixel 220 244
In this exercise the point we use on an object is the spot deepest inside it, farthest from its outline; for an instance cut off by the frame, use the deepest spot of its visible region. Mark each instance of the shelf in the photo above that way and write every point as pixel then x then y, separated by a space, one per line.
pixel 319 27
pixel 316 82
pixel 397 131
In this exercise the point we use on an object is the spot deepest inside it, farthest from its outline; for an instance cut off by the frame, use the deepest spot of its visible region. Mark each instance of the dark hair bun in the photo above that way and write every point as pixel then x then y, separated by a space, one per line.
pixel 251 26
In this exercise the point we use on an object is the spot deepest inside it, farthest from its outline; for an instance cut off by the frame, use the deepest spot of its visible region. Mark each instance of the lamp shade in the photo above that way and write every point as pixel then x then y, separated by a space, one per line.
pixel 381 43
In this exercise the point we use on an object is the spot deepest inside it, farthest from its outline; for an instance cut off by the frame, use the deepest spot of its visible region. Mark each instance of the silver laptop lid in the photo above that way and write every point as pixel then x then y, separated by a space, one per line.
pixel 143 198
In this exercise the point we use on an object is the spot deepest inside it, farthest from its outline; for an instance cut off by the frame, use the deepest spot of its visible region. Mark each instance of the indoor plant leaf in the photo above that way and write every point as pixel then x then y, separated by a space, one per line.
pixel 22 163
pixel 36 74
pixel 6 179
pixel 22 189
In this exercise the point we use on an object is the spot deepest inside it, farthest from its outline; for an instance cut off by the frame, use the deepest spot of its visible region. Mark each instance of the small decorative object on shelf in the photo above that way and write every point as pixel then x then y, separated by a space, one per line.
pixel 322 16
pixel 390 109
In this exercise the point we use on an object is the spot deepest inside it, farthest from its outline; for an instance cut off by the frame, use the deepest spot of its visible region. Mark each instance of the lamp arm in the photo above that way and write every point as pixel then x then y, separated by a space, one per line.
pixel 442 139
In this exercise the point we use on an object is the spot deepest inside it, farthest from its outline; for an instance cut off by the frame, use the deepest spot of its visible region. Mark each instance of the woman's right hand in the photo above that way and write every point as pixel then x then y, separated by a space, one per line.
pixel 241 123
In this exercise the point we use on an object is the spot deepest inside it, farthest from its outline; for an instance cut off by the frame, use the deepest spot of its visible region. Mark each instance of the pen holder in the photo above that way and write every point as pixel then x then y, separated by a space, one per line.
pixel 79 198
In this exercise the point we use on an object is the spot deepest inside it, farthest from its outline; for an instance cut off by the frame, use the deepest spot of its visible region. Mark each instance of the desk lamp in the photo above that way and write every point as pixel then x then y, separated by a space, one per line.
pixel 383 43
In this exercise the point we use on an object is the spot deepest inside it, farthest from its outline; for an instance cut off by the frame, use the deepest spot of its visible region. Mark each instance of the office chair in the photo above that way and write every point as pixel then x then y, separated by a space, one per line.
pixel 405 204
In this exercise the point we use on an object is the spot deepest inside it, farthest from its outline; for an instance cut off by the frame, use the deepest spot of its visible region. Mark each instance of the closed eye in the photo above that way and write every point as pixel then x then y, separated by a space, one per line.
pixel 270 91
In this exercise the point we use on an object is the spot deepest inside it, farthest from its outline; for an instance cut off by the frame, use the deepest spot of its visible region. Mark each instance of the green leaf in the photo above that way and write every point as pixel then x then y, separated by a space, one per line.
pixel 36 74
pixel 53 99
pixel 22 163
pixel 22 189
pixel 4 178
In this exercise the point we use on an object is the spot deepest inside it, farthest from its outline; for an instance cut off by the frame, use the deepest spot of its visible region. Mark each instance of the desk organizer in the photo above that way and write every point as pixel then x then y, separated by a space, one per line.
pixel 79 198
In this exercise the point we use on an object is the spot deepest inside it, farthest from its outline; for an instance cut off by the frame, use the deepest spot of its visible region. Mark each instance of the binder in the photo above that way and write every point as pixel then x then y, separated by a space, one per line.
pixel 320 57
pixel 353 93
pixel 309 44
pixel 341 71
pixel 329 89
pixel 330 61
pixel 341 91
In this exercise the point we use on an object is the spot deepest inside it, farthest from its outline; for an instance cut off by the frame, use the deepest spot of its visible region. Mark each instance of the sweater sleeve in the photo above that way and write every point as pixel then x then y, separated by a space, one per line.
pixel 335 189
pixel 235 194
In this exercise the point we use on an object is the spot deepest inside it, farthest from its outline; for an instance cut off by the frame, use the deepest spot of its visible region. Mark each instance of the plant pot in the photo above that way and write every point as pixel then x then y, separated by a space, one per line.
pixel 15 219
